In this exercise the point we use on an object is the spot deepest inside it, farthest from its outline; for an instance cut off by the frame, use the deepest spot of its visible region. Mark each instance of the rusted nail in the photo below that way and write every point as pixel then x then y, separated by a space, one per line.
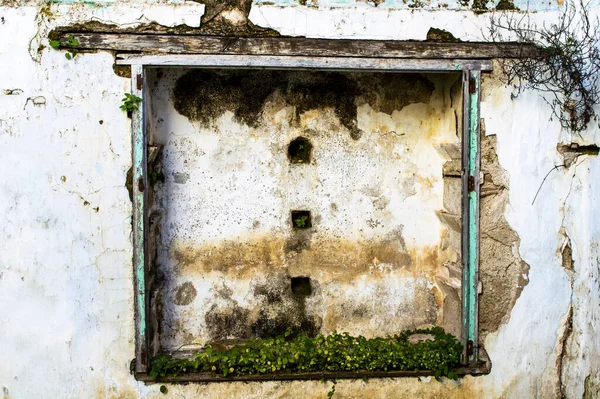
pixel 140 82
pixel 471 183
pixel 141 185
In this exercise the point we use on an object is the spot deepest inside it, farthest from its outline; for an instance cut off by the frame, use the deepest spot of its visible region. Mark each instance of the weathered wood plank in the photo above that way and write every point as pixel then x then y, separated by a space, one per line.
pixel 313 63
pixel 207 377
pixel 471 160
pixel 140 220
pixel 296 46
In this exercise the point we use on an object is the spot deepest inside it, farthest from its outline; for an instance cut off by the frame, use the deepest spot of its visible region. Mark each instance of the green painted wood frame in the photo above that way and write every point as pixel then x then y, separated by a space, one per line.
pixel 140 220
pixel 471 158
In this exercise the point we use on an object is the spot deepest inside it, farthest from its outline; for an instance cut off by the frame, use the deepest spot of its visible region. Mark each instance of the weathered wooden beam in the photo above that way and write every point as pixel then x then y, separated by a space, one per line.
pixel 207 377
pixel 296 46
pixel 140 220
pixel 310 63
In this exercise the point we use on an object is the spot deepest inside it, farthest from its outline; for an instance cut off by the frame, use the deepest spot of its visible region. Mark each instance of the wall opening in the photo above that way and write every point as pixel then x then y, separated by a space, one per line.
pixel 299 150
pixel 301 286
pixel 369 236
pixel 301 220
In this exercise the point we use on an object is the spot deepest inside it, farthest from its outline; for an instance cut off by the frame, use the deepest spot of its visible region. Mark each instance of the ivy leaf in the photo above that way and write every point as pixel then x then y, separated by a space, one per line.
pixel 55 44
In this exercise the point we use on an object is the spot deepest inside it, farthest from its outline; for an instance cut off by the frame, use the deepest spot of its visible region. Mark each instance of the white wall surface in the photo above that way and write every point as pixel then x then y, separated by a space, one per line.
pixel 66 297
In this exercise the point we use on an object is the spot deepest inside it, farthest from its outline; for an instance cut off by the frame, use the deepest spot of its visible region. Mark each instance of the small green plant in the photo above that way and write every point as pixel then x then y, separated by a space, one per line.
pixel 300 221
pixel 332 353
pixel 130 102
pixel 71 46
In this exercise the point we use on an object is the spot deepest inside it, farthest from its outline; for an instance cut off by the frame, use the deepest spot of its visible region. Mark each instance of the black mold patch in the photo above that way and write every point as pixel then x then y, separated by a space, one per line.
pixel 204 95
pixel 185 294
pixel 281 310
pixel 229 322
pixel 387 92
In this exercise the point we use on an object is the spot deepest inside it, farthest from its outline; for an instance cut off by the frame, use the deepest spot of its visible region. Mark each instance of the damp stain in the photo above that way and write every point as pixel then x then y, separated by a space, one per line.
pixel 202 96
pixel 329 258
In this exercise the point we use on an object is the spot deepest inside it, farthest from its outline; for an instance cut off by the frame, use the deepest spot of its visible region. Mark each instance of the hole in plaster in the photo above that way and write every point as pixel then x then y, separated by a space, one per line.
pixel 567 256
pixel 301 219
pixel 301 286
pixel 299 150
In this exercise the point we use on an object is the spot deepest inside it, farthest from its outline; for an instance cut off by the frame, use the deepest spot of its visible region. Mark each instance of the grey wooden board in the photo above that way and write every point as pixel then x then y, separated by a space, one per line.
pixel 296 46
pixel 294 62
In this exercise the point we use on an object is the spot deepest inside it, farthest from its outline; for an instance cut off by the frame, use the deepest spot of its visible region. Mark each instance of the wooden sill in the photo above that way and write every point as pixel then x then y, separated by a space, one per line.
pixel 484 367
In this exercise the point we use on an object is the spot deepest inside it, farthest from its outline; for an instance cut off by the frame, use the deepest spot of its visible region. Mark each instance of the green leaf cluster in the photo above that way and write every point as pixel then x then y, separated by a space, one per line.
pixel 71 45
pixel 301 221
pixel 130 102
pixel 332 353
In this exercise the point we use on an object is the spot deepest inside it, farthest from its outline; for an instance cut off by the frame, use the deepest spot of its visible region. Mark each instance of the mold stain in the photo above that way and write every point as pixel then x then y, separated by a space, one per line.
pixel 281 310
pixel 185 294
pixel 226 322
pixel 203 96
pixel 275 310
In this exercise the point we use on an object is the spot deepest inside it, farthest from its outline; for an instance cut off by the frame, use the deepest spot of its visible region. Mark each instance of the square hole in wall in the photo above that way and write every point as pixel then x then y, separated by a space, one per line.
pixel 301 220
pixel 301 286
pixel 370 206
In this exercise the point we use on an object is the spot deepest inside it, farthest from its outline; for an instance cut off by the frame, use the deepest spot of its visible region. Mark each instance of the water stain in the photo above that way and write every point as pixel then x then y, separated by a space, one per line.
pixel 327 258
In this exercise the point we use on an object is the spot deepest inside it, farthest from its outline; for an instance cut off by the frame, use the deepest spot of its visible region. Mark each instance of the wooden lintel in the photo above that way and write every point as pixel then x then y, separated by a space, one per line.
pixel 305 63
pixel 296 46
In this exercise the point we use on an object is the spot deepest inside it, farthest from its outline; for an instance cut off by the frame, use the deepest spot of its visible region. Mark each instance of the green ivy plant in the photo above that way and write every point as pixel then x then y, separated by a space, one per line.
pixel 130 102
pixel 337 352
pixel 71 46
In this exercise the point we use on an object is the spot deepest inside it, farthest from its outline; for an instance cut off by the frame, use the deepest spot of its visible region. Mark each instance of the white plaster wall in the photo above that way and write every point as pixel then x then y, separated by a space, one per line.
pixel 66 328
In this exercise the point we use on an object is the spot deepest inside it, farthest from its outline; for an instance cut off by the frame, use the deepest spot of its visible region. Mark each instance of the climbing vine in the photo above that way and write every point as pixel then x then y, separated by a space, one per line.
pixel 567 66
pixel 332 353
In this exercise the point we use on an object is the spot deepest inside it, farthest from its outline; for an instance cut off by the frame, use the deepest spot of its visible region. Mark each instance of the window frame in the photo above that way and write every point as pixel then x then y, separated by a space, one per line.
pixel 145 343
